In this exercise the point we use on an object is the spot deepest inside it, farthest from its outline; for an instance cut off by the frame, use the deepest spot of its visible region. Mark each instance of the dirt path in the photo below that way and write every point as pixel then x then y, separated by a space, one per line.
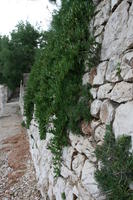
pixel 17 175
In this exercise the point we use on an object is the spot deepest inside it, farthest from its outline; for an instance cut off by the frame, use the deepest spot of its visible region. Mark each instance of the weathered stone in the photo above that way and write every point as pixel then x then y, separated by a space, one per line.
pixel 67 156
pixel 122 92
pixel 95 124
pixel 115 3
pixel 86 128
pixel 95 107
pixel 107 112
pixel 131 185
pixel 88 179
pixel 99 31
pixel 112 69
pixel 126 68
pixel 93 92
pixel 81 193
pixel 123 123
pixel 101 70
pixel 86 78
pixel 78 163
pixel 129 32
pixel 126 72
pixel 104 91
pixel 128 58
pixel 59 188
pixel 96 2
pixel 103 12
pixel 68 174
pixel 115 33
pixel 100 133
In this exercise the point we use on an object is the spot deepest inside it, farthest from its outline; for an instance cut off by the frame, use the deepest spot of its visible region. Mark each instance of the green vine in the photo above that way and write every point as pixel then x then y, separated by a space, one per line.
pixel 116 172
pixel 55 84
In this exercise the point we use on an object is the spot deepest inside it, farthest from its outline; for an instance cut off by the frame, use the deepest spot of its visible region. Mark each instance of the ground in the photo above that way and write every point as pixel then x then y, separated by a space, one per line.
pixel 17 175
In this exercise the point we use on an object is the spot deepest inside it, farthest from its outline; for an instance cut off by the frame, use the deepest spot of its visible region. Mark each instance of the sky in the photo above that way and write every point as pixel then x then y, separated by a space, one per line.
pixel 34 11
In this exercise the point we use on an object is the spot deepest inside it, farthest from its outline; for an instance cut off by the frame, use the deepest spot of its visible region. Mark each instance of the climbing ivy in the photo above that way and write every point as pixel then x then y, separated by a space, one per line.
pixel 116 171
pixel 55 83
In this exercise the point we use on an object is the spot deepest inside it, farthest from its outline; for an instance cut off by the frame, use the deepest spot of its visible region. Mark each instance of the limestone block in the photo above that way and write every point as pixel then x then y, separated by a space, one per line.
pixel 95 107
pixel 77 164
pixel 99 31
pixel 101 70
pixel 122 92
pixel 93 92
pixel 129 36
pixel 128 58
pixel 96 2
pixel 126 72
pixel 69 191
pixel 127 67
pixel 82 193
pixel 107 112
pixel 116 32
pixel 114 3
pixel 67 156
pixel 100 133
pixel 103 13
pixel 68 174
pixel 112 70
pixel 123 123
pixel 104 91
pixel 88 179
pixel 95 124
pixel 59 188
pixel 86 128
pixel 86 78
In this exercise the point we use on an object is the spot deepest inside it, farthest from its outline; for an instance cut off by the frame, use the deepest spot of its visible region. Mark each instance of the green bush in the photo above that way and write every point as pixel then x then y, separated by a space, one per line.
pixel 55 84
pixel 116 171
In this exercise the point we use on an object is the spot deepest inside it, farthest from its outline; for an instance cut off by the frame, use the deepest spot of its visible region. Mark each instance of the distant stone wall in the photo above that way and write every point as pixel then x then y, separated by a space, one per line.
pixel 3 98
pixel 112 91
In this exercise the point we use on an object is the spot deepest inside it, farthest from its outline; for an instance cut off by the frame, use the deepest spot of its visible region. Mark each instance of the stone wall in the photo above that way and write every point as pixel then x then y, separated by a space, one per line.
pixel 112 91
pixel 3 98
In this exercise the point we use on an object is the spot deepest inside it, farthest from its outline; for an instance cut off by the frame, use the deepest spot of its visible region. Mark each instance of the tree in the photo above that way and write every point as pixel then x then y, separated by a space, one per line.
pixel 17 54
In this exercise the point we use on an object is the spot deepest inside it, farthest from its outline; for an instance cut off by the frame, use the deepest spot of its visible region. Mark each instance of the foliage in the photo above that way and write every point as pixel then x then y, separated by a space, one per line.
pixel 63 196
pixel 116 171
pixel 118 70
pixel 55 84
pixel 17 53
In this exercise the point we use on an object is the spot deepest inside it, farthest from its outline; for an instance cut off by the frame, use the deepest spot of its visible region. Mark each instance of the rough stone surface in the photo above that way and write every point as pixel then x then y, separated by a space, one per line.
pixel 99 78
pixel 107 112
pixel 100 133
pixel 93 92
pixel 104 91
pixel 103 14
pixel 95 107
pixel 3 98
pixel 112 70
pixel 115 35
pixel 123 123
pixel 115 3
pixel 122 92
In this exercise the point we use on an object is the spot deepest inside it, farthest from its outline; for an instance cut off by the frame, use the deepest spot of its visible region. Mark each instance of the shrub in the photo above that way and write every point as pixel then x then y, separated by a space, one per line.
pixel 55 84
pixel 116 172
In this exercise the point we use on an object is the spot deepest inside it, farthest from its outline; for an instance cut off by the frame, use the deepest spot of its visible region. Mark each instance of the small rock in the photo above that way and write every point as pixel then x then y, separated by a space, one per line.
pixel 95 107
pixel 122 92
pixel 104 91
pixel 107 112
pixel 100 133
pixel 101 70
